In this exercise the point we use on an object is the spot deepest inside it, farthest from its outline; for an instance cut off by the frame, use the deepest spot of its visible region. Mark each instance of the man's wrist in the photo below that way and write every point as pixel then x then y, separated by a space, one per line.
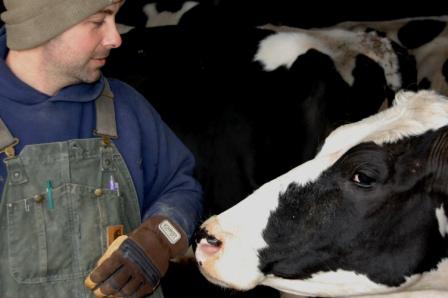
pixel 170 234
pixel 151 237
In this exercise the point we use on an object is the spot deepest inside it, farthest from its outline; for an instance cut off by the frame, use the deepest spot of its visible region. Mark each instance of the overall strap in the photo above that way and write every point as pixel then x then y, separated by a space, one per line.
pixel 7 141
pixel 105 115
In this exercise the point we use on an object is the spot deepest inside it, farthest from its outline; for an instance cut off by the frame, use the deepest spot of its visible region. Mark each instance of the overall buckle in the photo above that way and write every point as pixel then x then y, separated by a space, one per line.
pixel 9 149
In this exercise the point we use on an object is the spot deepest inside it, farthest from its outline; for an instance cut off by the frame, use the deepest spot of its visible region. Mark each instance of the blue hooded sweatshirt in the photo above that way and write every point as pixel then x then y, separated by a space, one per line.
pixel 160 165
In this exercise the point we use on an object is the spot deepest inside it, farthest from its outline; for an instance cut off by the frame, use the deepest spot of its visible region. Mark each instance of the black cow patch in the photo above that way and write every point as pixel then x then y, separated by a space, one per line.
pixel 407 67
pixel 424 84
pixel 445 70
pixel 417 33
pixel 372 213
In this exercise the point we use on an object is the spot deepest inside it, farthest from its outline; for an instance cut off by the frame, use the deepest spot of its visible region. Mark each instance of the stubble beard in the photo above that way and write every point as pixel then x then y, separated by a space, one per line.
pixel 87 75
pixel 69 70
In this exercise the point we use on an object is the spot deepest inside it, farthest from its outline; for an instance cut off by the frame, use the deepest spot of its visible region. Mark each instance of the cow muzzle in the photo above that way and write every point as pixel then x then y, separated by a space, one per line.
pixel 223 258
pixel 207 243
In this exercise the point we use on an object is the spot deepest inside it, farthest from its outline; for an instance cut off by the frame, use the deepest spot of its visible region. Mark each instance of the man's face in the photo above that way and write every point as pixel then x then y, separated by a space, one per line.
pixel 78 54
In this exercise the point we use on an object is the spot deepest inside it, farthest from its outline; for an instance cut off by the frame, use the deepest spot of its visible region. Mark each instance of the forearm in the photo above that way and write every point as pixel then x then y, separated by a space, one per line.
pixel 184 208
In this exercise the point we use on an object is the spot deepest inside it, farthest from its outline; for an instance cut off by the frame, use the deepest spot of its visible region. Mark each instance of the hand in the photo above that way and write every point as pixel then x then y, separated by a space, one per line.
pixel 134 264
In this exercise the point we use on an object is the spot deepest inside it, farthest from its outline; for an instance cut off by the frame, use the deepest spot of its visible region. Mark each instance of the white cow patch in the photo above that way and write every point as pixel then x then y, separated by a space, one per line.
pixel 442 219
pixel 416 294
pixel 426 285
pixel 352 285
pixel 411 114
pixel 165 18
pixel 331 284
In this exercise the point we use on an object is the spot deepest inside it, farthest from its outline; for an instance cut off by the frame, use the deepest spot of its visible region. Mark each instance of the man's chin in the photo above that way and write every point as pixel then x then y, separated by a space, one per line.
pixel 91 77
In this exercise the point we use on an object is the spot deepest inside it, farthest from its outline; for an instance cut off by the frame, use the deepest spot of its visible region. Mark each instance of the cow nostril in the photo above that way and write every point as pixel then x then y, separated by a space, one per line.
pixel 213 241
pixel 204 234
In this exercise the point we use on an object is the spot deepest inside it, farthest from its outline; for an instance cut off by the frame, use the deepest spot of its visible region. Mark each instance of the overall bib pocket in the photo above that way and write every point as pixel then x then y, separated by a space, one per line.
pixel 64 242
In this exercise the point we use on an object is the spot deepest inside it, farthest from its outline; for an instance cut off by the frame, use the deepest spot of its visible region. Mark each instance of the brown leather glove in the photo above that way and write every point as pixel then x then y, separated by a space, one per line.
pixel 134 264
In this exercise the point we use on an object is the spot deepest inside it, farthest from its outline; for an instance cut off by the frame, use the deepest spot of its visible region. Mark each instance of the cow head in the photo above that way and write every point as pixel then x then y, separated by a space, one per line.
pixel 367 215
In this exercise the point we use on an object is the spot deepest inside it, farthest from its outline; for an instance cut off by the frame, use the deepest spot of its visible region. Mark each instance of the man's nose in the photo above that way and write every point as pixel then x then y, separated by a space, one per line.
pixel 112 39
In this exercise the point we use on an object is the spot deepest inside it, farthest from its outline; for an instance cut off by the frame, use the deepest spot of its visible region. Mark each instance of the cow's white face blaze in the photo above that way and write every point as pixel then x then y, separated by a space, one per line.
pixel 252 243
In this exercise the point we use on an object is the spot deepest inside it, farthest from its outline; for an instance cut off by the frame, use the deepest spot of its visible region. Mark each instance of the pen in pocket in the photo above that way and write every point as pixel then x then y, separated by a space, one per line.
pixel 50 195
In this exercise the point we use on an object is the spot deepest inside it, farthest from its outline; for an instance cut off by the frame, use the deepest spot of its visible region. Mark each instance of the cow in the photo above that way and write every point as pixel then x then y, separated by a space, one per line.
pixel 366 216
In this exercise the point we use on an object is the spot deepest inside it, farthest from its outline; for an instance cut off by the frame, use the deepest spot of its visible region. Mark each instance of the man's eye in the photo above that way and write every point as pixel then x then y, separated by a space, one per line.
pixel 98 23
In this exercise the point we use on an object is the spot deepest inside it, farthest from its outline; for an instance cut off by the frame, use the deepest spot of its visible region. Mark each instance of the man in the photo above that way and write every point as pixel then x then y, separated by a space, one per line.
pixel 88 163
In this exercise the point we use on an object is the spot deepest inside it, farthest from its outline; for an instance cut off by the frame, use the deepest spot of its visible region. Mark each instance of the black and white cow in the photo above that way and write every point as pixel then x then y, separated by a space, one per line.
pixel 367 215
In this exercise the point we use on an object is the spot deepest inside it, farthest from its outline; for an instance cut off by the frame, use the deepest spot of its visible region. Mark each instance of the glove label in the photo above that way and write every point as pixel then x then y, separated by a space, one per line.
pixel 169 231
pixel 113 232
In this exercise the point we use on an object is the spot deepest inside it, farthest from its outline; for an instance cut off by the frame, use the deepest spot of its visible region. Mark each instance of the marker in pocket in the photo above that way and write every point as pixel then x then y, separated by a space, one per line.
pixel 111 182
pixel 113 185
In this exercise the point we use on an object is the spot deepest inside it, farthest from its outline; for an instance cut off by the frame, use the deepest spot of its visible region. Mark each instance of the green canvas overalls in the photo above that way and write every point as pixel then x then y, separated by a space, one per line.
pixel 57 204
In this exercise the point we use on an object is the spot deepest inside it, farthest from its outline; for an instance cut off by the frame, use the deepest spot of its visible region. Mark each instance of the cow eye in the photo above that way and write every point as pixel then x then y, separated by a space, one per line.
pixel 362 180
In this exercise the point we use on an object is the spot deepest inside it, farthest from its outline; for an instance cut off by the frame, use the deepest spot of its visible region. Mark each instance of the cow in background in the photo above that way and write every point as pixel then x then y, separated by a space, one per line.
pixel 149 13
pixel 367 216
pixel 251 13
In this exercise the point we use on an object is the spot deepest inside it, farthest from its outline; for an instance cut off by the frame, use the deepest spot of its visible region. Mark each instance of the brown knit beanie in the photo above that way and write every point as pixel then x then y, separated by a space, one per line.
pixel 30 23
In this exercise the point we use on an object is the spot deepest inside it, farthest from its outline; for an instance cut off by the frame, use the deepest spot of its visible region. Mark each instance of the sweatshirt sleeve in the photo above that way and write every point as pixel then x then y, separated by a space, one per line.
pixel 160 164
pixel 173 190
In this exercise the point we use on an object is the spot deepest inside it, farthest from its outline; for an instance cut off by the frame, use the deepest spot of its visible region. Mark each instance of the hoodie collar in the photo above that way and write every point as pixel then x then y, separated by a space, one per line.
pixel 13 88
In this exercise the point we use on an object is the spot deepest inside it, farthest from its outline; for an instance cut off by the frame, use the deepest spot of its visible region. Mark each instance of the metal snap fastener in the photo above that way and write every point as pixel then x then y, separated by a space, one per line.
pixel 38 198
pixel 98 192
